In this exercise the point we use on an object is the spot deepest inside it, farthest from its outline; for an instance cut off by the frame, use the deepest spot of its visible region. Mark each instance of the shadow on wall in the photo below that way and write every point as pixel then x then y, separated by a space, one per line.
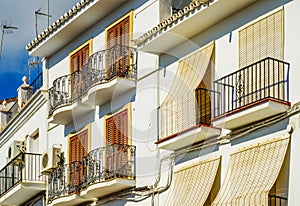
pixel 219 30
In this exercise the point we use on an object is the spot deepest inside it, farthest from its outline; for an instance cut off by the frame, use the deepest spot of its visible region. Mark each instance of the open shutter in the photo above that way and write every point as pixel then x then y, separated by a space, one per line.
pixel 78 150
pixel 116 141
pixel 117 37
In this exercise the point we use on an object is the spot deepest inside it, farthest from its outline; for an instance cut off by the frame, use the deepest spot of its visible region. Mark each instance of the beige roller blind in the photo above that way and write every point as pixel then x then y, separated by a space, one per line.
pixel 192 184
pixel 251 174
pixel 178 111
pixel 264 38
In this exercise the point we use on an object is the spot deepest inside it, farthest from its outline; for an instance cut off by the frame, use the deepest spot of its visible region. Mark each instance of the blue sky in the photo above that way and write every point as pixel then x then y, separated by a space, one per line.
pixel 14 57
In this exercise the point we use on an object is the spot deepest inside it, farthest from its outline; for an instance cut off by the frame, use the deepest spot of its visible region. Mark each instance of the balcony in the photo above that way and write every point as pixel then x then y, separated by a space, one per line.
pixel 189 124
pixel 107 74
pixel 21 179
pixel 103 171
pixel 256 92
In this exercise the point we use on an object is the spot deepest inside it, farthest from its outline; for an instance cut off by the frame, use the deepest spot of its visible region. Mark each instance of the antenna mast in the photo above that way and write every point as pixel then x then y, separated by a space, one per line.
pixel 6 28
pixel 34 61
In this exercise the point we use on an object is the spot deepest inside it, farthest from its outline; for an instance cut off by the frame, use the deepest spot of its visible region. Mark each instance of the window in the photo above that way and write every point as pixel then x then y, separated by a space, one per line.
pixel 78 150
pixel 118 42
pixel 116 144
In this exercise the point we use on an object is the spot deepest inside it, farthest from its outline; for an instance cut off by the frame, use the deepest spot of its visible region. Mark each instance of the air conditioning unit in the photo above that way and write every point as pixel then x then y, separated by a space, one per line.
pixel 50 158
pixel 14 150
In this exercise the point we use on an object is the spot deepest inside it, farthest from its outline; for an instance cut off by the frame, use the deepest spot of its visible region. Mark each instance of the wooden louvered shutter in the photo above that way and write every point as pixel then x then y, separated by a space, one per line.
pixel 116 141
pixel 117 129
pixel 74 63
pixel 262 39
pixel 117 37
pixel 77 61
pixel 78 150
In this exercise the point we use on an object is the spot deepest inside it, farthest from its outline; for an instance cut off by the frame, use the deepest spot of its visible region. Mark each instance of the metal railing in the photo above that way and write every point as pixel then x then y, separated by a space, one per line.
pixel 277 200
pixel 267 78
pixel 37 83
pixel 102 66
pixel 25 167
pixel 101 164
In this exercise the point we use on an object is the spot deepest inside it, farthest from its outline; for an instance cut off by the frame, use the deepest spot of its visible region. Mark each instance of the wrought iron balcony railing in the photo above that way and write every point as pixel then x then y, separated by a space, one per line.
pixel 265 79
pixel 277 200
pixel 23 168
pixel 102 66
pixel 36 83
pixel 100 165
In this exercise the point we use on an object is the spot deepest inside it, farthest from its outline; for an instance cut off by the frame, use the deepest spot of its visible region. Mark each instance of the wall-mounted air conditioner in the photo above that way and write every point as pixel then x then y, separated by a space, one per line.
pixel 14 149
pixel 49 159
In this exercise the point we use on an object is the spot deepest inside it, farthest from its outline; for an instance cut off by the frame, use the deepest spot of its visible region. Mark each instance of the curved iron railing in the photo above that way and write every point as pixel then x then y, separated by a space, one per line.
pixel 101 164
pixel 102 66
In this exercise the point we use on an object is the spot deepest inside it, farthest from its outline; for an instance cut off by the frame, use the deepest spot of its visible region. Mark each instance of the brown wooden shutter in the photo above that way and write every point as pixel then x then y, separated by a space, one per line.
pixel 117 129
pixel 118 35
pixel 78 150
pixel 116 141
pixel 79 59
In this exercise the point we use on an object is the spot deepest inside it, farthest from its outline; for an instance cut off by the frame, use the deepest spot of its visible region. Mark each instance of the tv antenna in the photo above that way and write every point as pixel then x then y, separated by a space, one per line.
pixel 34 61
pixel 6 28
pixel 37 13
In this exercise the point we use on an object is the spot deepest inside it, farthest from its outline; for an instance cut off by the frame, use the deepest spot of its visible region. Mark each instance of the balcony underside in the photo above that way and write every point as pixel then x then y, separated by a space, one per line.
pixel 188 137
pixel 22 192
pixel 67 113
pixel 102 93
pixel 248 114
pixel 94 191
pixel 104 188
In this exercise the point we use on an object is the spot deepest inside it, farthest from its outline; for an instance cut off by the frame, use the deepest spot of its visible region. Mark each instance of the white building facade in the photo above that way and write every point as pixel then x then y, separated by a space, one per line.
pixel 158 102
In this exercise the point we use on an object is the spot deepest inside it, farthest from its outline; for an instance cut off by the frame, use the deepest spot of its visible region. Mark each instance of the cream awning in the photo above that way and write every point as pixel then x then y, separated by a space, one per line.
pixel 179 107
pixel 192 184
pixel 252 173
